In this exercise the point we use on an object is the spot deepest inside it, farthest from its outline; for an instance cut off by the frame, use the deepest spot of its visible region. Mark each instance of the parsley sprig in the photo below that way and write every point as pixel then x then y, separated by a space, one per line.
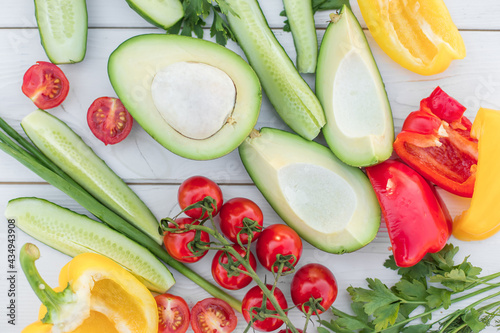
pixel 433 284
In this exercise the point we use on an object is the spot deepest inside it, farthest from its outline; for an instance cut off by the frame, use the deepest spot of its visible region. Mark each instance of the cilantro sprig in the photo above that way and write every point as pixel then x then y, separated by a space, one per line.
pixel 435 283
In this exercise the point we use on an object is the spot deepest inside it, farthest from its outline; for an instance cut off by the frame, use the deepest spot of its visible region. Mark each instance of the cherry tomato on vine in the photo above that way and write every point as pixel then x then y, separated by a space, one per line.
pixel 232 214
pixel 213 315
pixel 286 330
pixel 195 189
pixel 173 313
pixel 45 84
pixel 220 274
pixel 313 280
pixel 176 244
pixel 254 298
pixel 108 120
pixel 278 239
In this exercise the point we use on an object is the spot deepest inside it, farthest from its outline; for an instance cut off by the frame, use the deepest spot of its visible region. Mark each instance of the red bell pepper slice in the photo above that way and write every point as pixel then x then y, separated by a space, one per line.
pixel 417 220
pixel 436 142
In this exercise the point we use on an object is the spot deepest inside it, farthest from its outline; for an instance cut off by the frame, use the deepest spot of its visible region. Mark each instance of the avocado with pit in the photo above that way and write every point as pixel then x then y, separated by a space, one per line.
pixel 328 203
pixel 198 99
pixel 359 127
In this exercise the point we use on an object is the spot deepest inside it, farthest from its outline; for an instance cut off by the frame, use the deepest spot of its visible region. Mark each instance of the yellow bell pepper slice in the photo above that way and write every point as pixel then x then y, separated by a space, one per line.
pixel 418 35
pixel 482 219
pixel 95 294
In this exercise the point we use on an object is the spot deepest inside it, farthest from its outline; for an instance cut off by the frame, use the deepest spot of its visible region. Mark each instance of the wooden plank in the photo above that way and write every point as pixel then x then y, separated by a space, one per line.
pixel 116 13
pixel 474 81
pixel 349 269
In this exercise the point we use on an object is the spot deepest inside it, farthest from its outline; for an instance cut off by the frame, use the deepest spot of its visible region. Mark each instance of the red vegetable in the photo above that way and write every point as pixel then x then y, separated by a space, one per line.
pixel 220 274
pixel 176 244
pixel 45 84
pixel 173 314
pixel 436 142
pixel 254 298
pixel 278 239
pixel 109 121
pixel 195 189
pixel 416 218
pixel 213 315
pixel 232 214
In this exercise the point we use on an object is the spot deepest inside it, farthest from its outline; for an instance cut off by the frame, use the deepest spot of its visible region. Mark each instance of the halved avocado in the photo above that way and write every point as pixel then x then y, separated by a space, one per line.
pixel 359 127
pixel 198 99
pixel 328 203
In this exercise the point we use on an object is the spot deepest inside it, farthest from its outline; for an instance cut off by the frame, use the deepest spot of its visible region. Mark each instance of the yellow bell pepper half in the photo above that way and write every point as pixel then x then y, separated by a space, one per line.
pixel 95 295
pixel 482 219
pixel 418 35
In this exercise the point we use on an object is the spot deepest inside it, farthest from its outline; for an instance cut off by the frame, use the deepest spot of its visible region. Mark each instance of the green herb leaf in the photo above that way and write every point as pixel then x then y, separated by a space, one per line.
pixel 471 318
pixel 329 4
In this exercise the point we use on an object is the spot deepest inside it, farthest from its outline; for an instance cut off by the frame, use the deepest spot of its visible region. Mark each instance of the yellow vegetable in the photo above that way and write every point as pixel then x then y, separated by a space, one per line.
pixel 418 34
pixel 482 219
pixel 95 295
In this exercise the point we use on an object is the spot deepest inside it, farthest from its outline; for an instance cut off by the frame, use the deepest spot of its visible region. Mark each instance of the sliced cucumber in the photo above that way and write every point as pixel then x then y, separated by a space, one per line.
pixel 290 95
pixel 301 20
pixel 66 149
pixel 359 127
pixel 328 203
pixel 63 29
pixel 162 13
pixel 73 234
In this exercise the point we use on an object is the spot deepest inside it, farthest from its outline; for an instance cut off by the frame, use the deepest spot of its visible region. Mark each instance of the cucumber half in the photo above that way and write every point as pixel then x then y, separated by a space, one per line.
pixel 63 29
pixel 328 203
pixel 162 13
pixel 359 127
pixel 73 234
pixel 68 151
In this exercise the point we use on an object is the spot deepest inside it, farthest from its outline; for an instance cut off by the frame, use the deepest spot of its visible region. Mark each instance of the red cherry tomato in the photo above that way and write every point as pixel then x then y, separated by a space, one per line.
pixel 45 84
pixel 278 239
pixel 286 330
pixel 313 280
pixel 195 189
pixel 220 273
pixel 173 313
pixel 254 298
pixel 109 120
pixel 232 214
pixel 213 315
pixel 176 244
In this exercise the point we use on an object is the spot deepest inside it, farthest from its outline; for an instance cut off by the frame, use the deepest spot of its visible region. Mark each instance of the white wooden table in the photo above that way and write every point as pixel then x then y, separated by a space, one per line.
pixel 155 173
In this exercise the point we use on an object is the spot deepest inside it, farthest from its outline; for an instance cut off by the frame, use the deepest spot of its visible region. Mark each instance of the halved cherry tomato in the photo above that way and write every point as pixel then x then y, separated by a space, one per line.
pixel 109 120
pixel 195 189
pixel 220 274
pixel 176 244
pixel 213 315
pixel 278 239
pixel 313 280
pixel 254 299
pixel 45 84
pixel 232 214
pixel 173 314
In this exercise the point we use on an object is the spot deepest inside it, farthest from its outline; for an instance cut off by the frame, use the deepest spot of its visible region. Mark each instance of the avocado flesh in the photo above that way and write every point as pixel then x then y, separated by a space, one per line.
pixel 133 67
pixel 328 203
pixel 359 127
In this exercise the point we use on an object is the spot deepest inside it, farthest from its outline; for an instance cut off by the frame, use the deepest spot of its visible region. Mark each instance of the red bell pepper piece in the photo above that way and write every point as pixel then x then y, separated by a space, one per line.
pixel 417 220
pixel 436 142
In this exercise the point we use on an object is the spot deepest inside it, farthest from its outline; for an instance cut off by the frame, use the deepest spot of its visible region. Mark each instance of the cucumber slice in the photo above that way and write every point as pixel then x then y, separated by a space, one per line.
pixel 63 29
pixel 301 20
pixel 290 95
pixel 73 234
pixel 162 13
pixel 67 150
pixel 359 127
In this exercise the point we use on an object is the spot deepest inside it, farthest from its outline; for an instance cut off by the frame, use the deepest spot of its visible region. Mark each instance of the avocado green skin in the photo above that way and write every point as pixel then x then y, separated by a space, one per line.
pixel 341 37
pixel 168 20
pixel 133 65
pixel 264 153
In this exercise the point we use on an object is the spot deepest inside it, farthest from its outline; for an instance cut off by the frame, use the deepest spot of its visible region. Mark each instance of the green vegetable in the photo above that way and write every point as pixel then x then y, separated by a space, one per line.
pixel 73 234
pixel 359 127
pixel 329 4
pixel 67 150
pixel 433 284
pixel 328 203
pixel 301 24
pixel 63 29
pixel 27 154
pixel 290 95
pixel 162 13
